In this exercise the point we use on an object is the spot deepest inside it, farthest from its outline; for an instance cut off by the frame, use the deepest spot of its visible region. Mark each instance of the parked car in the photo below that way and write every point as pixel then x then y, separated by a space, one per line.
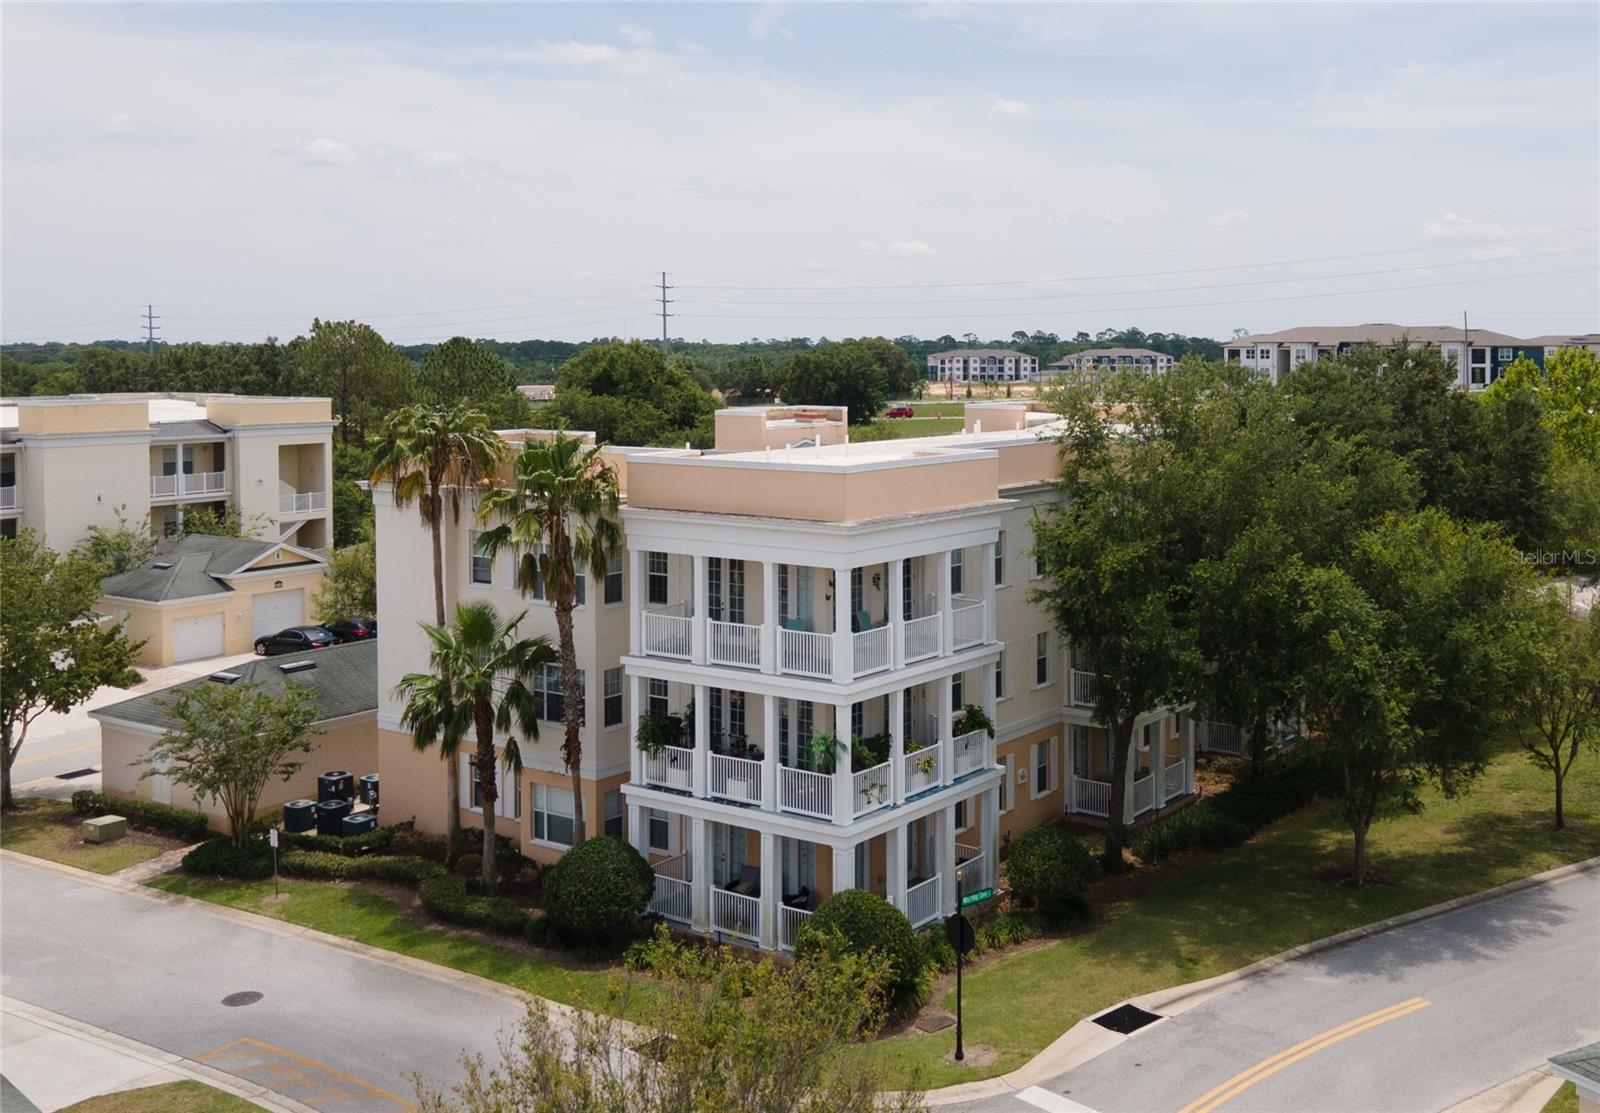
pixel 353 629
pixel 899 411
pixel 294 640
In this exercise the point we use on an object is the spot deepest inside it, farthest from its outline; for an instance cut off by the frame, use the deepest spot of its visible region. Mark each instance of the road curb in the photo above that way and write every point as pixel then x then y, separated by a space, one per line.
pixel 1086 1040
pixel 154 1057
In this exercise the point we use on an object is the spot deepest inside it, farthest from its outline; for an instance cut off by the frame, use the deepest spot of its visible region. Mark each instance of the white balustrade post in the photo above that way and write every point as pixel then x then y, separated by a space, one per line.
pixel 1188 752
pixel 638 831
pixel 947 624
pixel 988 581
pixel 894 876
pixel 769 617
pixel 844 780
pixel 897 746
pixel 769 754
pixel 897 613
pixel 947 739
pixel 844 868
pixel 700 874
pixel 636 601
pixel 702 606
pixel 702 741
pixel 844 664
pixel 989 840
pixel 636 708
pixel 945 849
pixel 771 889
pixel 1071 779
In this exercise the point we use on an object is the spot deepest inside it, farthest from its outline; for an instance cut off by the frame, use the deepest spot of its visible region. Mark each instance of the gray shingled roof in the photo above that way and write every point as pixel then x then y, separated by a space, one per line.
pixel 1582 1061
pixel 344 682
pixel 181 430
pixel 192 567
pixel 1375 333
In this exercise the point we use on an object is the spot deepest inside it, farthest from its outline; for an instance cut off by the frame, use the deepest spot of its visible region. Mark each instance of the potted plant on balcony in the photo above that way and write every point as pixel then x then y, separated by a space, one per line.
pixel 972 718
pixel 823 749
pixel 655 733
pixel 929 759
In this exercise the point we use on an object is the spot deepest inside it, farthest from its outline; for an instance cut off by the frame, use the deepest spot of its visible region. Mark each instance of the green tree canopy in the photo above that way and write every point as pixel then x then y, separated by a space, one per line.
pixel 462 371
pixel 846 373
pixel 363 373
pixel 626 393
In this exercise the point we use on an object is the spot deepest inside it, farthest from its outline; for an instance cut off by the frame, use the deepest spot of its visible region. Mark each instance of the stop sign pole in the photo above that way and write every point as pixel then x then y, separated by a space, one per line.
pixel 960 1054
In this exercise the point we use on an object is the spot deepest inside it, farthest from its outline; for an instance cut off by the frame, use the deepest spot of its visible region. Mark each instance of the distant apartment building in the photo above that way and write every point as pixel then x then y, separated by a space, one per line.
pixel 1093 364
pixel 1550 345
pixel 67 463
pixel 1480 356
pixel 776 670
pixel 989 365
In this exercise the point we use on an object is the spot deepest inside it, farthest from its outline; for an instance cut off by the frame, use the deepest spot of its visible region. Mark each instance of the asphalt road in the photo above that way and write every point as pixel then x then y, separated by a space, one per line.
pixel 1416 1019
pixel 336 1030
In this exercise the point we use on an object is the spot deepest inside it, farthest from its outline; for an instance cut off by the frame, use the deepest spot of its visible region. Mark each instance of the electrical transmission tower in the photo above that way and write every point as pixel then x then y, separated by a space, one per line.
pixel 665 301
pixel 150 329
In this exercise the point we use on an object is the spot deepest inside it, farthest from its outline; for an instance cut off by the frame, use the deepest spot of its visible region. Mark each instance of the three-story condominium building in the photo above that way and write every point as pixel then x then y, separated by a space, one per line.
pixel 71 462
pixel 1479 356
pixel 778 671
pixel 970 365
pixel 1094 364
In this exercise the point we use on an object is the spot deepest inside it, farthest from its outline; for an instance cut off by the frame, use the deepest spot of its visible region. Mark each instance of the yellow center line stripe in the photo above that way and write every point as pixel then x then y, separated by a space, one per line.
pixel 55 753
pixel 1248 1077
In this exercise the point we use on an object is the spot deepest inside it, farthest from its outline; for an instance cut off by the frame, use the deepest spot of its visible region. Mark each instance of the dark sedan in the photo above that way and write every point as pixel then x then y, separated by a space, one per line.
pixel 295 639
pixel 353 629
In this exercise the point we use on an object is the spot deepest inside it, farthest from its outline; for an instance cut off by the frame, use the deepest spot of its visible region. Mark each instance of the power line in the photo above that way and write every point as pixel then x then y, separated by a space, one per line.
pixel 590 295
pixel 665 301
pixel 150 329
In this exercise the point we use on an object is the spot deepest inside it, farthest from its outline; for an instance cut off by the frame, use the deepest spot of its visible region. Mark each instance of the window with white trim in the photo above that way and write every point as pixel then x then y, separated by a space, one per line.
pixel 1008 798
pixel 963 816
pixel 613 807
pixel 1038 560
pixel 1080 750
pixel 1041 762
pixel 613 579
pixel 735 590
pixel 1000 559
pixel 550 698
pixel 613 697
pixel 482 560
pixel 957 692
pixel 1000 676
pixel 508 789
pixel 957 579
pixel 1041 658
pixel 656 699
pixel 552 815
pixel 657 578
pixel 660 831
pixel 714 589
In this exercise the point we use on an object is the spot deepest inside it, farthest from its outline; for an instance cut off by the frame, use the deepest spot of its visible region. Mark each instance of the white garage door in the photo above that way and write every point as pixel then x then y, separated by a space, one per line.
pixel 193 638
pixel 276 611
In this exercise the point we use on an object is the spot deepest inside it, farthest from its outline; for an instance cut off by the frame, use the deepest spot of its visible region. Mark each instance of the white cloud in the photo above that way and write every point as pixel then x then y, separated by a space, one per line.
pixel 119 123
pixel 1452 226
pixel 1115 220
pixel 689 46
pixel 329 152
pixel 440 160
pixel 1003 107
pixel 576 53
pixel 899 249
pixel 1503 251
pixel 764 22
pixel 1230 219
pixel 637 35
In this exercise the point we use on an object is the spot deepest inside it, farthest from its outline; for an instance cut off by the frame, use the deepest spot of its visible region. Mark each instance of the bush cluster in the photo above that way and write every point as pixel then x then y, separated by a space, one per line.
pixel 860 922
pixel 1005 930
pixel 1048 870
pixel 218 857
pixel 373 841
pixel 1290 781
pixel 599 889
pixel 443 894
pixel 143 815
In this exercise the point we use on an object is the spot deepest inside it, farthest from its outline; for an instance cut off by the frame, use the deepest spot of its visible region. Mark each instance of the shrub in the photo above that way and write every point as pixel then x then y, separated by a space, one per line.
pixel 468 865
pixel 598 889
pixel 407 840
pixel 446 897
pixel 937 949
pixel 144 815
pixel 857 921
pixel 351 845
pixel 1046 869
pixel 1006 930
pixel 1290 781
pixel 218 857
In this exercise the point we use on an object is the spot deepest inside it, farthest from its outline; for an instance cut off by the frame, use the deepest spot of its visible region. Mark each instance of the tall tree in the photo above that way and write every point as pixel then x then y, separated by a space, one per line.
pixel 365 375
pixel 479 685
pixel 431 457
pixel 630 394
pixel 559 516
pixel 53 654
pixel 462 371
pixel 846 373
pixel 1555 707
pixel 117 548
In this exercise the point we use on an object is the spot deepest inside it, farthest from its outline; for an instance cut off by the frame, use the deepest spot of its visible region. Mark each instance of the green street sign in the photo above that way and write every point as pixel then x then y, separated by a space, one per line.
pixel 977 898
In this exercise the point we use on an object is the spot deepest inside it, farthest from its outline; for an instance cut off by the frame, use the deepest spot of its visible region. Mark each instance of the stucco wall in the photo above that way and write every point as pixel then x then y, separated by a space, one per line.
pixel 1026 811
pixel 69 485
pixel 152 624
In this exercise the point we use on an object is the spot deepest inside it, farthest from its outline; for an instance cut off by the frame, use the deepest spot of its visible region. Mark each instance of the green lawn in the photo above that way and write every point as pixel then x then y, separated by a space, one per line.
pixel 1255 901
pixel 888 429
pixel 377 921
pixel 174 1097
pixel 941 408
pixel 50 829
pixel 1564 1100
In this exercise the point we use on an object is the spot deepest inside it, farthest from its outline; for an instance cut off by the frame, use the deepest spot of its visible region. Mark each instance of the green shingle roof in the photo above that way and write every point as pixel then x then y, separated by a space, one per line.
pixel 190 569
pixel 344 681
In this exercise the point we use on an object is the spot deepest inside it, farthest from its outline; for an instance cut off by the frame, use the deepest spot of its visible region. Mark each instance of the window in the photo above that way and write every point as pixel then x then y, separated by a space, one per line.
pixel 613 579
pixel 1080 751
pixel 1007 791
pixel 963 818
pixel 1503 354
pixel 580 586
pixel 1038 561
pixel 552 815
pixel 714 589
pixel 858 720
pixel 508 790
pixel 656 698
pixel 613 804
pixel 783 594
pixel 1000 559
pixel 736 715
pixel 613 697
pixel 956 579
pixel 550 698
pixel 905 591
pixel 1040 756
pixel 714 698
pixel 736 591
pixel 660 831
pixel 957 693
pixel 1000 676
pixel 482 562
pixel 535 586
pixel 856 591
pixel 658 578
pixel 1041 658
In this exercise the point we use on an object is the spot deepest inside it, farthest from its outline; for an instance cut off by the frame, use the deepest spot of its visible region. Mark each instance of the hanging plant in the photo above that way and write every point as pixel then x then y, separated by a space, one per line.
pixel 655 733
pixel 823 750
pixel 972 718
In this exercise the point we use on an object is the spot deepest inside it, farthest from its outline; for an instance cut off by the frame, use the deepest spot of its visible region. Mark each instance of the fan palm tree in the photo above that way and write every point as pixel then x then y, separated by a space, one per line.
pixel 559 515
pixel 431 455
pixel 479 684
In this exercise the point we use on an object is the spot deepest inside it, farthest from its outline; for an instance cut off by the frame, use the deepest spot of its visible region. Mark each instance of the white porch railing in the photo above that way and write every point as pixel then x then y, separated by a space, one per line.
pixel 871 650
pixel 670 767
pixel 973 750
pixel 923 769
pixel 674 894
pixel 736 778
pixel 736 914
pixel 801 790
pixel 804 653
pixel 1172 780
pixel 789 921
pixel 8 498
pixel 1220 738
pixel 163 486
pixel 667 632
pixel 1085 688
pixel 974 868
pixel 872 789
pixel 923 637
pixel 922 901
pixel 966 624
pixel 302 502
pixel 1091 797
pixel 1144 793
pixel 734 643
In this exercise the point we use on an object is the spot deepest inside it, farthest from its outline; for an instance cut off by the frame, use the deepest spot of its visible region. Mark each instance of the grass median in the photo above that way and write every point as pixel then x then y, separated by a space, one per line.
pixel 1202 918
pixel 173 1097
pixel 50 829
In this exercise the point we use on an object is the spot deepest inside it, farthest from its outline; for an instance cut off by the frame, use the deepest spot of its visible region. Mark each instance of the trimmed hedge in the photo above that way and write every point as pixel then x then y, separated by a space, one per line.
pixel 600 888
pixel 1290 781
pixel 218 857
pixel 443 894
pixel 378 839
pixel 858 921
pixel 1048 869
pixel 143 815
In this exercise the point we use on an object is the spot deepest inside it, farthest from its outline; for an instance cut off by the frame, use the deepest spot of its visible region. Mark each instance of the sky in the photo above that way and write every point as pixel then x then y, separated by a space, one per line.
pixel 528 171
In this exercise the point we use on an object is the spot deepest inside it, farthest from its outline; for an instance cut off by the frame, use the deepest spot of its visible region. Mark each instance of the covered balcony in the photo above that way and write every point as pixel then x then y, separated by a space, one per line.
pixel 1160 768
pixel 184 471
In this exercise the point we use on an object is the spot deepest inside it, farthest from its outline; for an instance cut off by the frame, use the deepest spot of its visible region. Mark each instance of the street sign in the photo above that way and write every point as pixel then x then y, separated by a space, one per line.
pixel 272 837
pixel 958 930
pixel 977 898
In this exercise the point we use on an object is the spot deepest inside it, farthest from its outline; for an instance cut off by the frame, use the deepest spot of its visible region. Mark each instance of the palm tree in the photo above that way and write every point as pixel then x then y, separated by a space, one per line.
pixel 559 514
pixel 479 683
pixel 430 455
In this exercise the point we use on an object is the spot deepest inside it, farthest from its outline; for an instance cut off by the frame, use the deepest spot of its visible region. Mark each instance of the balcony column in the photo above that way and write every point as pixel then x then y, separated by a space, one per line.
pixel 988 696
pixel 702 606
pixel 988 582
pixel 947 624
pixel 989 838
pixel 636 602
pixel 897 613
pixel 771 890
pixel 844 868
pixel 897 746
pixel 636 706
pixel 1071 780
pixel 894 858
pixel 844 664
pixel 702 741
pixel 700 874
pixel 769 754
pixel 1186 743
pixel 945 848
pixel 769 617
pixel 638 831
pixel 844 783
pixel 947 738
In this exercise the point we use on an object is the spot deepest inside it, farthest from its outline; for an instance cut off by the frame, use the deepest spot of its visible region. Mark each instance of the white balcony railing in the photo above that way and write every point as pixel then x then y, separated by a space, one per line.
pixel 734 643
pixel 302 502
pixel 967 624
pixel 973 750
pixel 1144 794
pixel 871 650
pixel 789 921
pixel 207 483
pixel 1085 688
pixel 736 778
pixel 8 498
pixel 804 653
pixel 872 789
pixel 1220 738
pixel 674 894
pixel 923 769
pixel 922 901
pixel 1172 780
pixel 163 486
pixel 1091 797
pixel 667 632
pixel 736 914
pixel 801 790
pixel 924 637
pixel 974 868
pixel 670 767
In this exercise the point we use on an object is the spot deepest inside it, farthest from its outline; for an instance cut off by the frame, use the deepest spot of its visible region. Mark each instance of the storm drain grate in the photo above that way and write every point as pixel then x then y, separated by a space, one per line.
pixel 1126 1018
pixel 247 997
pixel 76 773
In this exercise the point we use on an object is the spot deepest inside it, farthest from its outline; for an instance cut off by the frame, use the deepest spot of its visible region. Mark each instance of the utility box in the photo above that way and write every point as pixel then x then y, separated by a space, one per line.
pixel 329 813
pixel 368 786
pixel 335 784
pixel 299 816
pixel 358 824
pixel 104 828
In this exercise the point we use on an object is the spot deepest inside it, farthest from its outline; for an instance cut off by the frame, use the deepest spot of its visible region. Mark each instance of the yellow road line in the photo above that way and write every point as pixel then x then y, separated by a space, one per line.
pixel 1247 1078
pixel 224 1051
pixel 55 753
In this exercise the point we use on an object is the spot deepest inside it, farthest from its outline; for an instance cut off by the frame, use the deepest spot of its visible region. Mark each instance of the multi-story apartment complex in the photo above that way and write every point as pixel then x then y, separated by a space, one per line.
pixel 1480 356
pixel 67 463
pixel 1092 364
pixel 971 365
pixel 777 671
pixel 1550 345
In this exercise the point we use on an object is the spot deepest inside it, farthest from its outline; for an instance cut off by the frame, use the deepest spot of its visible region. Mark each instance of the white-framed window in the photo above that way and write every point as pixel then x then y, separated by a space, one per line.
pixel 535 588
pixel 1041 658
pixel 957 693
pixel 963 816
pixel 613 697
pixel 1000 559
pixel 550 697
pixel 1503 354
pixel 613 579
pixel 858 720
pixel 657 578
pixel 957 578
pixel 1038 560
pixel 1008 799
pixel 508 790
pixel 552 815
pixel 736 590
pixel 1080 750
pixel 482 560
pixel 660 831
pixel 1041 767
pixel 613 807
pixel 714 589
pixel 1000 676
pixel 656 702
